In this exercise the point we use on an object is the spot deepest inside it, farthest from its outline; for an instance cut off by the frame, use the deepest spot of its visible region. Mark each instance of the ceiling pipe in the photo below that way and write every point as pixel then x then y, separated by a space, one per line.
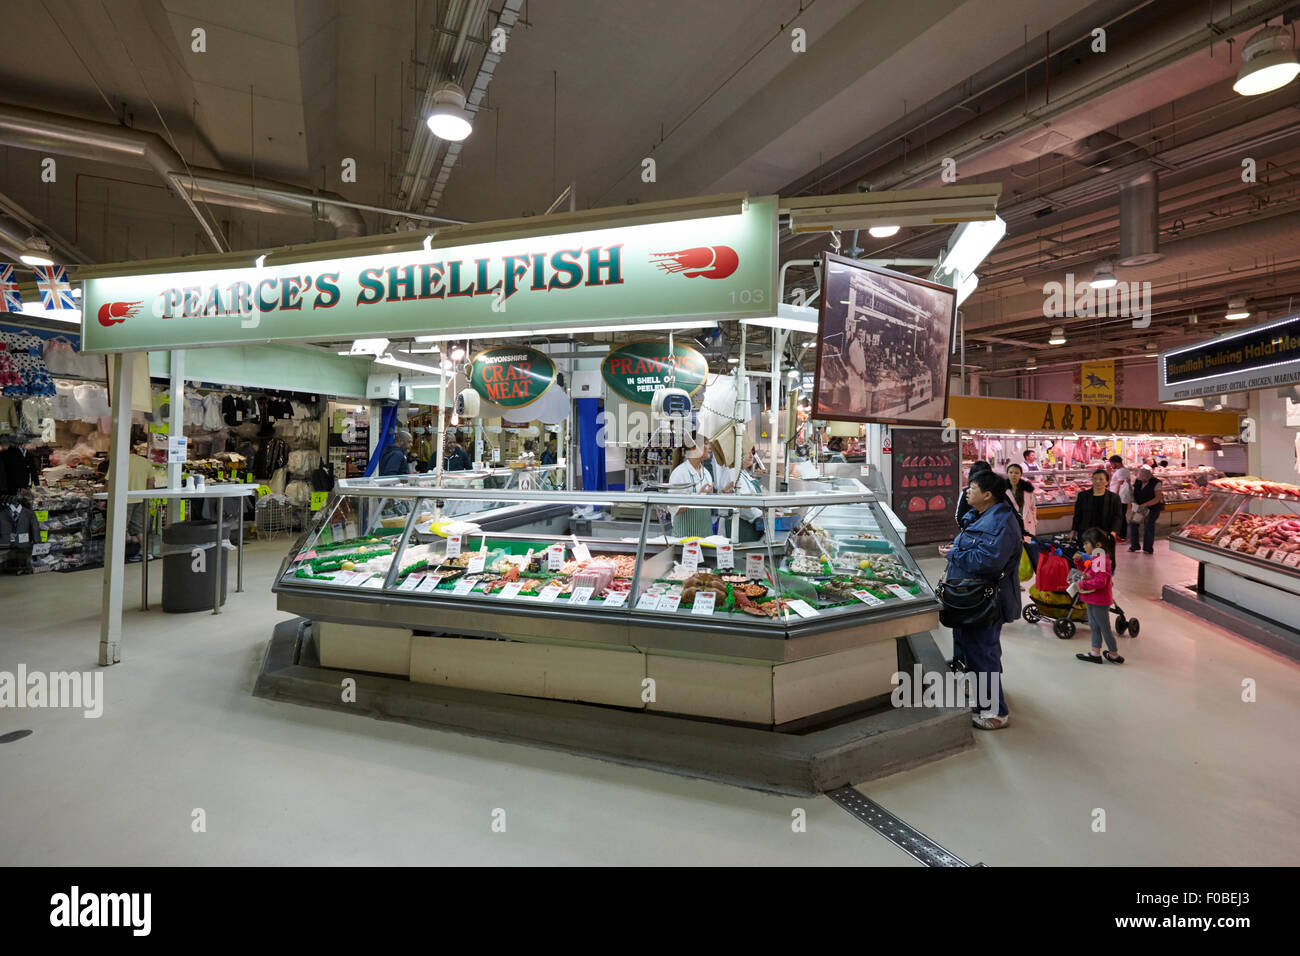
pixel 103 142
pixel 1183 34
pixel 13 239
pixel 1139 221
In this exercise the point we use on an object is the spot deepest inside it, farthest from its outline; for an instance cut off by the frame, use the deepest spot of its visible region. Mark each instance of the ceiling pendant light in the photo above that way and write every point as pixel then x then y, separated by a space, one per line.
pixel 1237 310
pixel 449 119
pixel 36 252
pixel 1268 62
pixel 1103 277
pixel 1031 363
pixel 882 232
pixel 1058 336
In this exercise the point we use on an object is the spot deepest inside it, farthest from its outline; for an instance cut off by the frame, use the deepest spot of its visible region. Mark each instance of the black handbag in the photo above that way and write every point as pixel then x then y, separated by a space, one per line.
pixel 968 602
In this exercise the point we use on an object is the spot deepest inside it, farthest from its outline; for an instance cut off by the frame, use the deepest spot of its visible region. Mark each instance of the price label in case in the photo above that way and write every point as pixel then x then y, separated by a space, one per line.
pixel 550 592
pixel 726 556
pixel 670 602
pixel 1264 553
pixel 555 557
pixel 867 598
pixel 803 609
pixel 476 564
pixel 901 592
pixel 464 586
pixel 649 601
pixel 429 583
pixel 375 581
pixel 511 590
pixel 754 566
pixel 691 555
pixel 580 595
pixel 580 551
pixel 704 601
pixel 1293 559
pixel 614 598
pixel 453 545
pixel 412 582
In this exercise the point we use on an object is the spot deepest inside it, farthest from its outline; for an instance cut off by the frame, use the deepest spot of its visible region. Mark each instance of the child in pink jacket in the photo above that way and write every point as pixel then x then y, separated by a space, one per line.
pixel 1095 589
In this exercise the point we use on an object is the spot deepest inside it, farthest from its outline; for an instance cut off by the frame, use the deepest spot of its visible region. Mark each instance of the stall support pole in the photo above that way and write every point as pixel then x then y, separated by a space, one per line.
pixel 778 347
pixel 442 421
pixel 741 409
pixel 175 426
pixel 122 369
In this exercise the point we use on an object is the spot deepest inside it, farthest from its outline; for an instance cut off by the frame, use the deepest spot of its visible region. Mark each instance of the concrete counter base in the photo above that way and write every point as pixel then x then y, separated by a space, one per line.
pixel 798 758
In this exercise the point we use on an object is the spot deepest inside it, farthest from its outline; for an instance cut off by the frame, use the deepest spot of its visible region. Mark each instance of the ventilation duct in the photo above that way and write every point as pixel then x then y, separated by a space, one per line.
pixel 1139 221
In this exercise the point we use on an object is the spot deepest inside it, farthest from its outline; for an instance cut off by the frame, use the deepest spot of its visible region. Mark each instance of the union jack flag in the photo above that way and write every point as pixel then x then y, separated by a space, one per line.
pixel 56 291
pixel 10 299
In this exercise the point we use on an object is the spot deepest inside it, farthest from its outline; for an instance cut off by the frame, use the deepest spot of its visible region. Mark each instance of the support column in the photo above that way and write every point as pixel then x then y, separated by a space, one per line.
pixel 121 375
pixel 175 426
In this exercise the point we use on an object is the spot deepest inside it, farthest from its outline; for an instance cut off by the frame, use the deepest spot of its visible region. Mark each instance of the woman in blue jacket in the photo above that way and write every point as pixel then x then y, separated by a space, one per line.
pixel 987 547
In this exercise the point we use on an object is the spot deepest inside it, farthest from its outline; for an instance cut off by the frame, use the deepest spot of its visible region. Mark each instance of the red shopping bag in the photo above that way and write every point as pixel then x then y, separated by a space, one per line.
pixel 1053 572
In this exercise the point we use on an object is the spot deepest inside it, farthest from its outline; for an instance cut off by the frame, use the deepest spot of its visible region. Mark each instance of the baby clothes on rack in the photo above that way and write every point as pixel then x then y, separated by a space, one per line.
pixel 92 400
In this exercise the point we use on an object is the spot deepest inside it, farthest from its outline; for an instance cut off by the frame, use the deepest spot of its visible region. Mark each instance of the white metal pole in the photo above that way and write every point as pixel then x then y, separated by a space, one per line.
pixel 741 413
pixel 175 425
pixel 442 420
pixel 778 346
pixel 121 373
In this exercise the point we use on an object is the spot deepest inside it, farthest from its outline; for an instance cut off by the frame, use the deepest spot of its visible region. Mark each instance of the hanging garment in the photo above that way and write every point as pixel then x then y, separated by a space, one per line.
pixel 92 400
pixel 212 419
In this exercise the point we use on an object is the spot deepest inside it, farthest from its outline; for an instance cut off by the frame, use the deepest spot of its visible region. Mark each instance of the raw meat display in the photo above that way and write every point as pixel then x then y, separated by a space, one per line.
pixel 596 575
pixel 1250 485
pixel 1252 534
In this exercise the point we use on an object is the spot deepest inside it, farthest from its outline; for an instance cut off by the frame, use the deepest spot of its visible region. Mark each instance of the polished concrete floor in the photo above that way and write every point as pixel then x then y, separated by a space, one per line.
pixel 1184 770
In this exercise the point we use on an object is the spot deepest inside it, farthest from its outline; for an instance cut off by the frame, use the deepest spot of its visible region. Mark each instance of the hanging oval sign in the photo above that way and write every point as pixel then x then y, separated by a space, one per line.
pixel 511 376
pixel 637 370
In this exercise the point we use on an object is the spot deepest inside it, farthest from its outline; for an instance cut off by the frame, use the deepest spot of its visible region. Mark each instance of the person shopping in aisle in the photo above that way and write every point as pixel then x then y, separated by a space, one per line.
pixel 987 547
pixel 697 480
pixel 455 458
pixel 1148 502
pixel 1098 508
pixel 140 475
pixel 1095 589
pixel 1022 493
pixel 963 506
pixel 393 460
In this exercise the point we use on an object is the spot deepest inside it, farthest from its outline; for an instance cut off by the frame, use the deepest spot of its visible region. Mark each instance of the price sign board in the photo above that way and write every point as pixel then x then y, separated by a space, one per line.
pixel 726 557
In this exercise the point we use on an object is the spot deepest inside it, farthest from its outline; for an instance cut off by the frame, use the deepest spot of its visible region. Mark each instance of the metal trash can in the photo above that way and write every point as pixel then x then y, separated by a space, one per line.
pixel 185 589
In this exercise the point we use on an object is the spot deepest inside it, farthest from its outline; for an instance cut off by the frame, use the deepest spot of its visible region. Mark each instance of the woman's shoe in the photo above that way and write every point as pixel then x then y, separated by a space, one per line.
pixel 1090 658
pixel 990 720
pixel 1113 658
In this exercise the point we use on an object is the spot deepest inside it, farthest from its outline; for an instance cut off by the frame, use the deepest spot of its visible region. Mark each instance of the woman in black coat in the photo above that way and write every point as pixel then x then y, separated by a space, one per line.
pixel 1098 508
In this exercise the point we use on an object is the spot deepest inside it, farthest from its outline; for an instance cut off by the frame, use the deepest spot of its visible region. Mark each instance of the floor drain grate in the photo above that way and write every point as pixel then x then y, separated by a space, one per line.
pixel 14 735
pixel 904 836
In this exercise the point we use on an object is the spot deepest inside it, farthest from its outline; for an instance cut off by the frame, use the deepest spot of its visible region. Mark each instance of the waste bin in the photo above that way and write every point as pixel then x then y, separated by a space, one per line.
pixel 185 589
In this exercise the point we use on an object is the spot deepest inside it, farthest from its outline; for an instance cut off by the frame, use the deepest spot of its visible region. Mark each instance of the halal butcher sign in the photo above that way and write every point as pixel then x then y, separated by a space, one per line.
pixel 637 370
pixel 511 376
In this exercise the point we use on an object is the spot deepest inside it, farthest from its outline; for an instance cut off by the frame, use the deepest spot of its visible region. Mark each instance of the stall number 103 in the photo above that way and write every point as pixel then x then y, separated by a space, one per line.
pixel 746 296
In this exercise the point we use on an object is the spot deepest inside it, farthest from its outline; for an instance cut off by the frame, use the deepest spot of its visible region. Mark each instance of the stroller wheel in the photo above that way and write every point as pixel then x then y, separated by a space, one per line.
pixel 1133 628
pixel 1064 629
pixel 1121 625
pixel 1032 615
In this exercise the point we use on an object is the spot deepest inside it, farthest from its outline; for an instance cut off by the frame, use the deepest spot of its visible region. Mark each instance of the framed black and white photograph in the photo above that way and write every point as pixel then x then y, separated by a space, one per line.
pixel 883 346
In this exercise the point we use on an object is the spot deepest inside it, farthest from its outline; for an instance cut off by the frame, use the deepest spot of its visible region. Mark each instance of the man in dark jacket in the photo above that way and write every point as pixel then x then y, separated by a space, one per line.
pixel 963 506
pixel 393 460
pixel 988 547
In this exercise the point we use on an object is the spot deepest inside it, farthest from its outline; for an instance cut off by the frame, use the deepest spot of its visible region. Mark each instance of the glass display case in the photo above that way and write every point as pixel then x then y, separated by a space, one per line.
pixel 1063 487
pixel 1260 527
pixel 836 560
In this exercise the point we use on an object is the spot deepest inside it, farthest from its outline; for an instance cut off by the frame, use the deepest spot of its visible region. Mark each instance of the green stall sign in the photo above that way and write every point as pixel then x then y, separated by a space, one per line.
pixel 637 370
pixel 511 376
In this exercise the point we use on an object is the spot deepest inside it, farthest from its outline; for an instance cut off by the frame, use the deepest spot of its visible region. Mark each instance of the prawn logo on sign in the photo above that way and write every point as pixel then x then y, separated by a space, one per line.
pixel 111 313
pixel 712 262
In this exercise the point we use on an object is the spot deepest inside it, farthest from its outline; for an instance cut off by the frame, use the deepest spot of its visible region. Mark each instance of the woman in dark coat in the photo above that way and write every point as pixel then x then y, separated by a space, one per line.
pixel 988 547
pixel 1098 508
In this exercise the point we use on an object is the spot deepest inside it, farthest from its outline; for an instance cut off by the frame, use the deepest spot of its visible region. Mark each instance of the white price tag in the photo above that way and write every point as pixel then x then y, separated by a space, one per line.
pixel 429 583
pixel 704 601
pixel 23 538
pixel 691 556
pixel 1292 559
pixel 580 596
pixel 550 592
pixel 555 557
pixel 453 545
pixel 39 549
pixel 615 598
pixel 1264 553
pixel 412 582
pixel 580 551
pixel 803 608
pixel 899 591
pixel 344 577
pixel 649 601
pixel 463 586
pixel 1280 556
pixel 670 602
pixel 511 590
pixel 867 598
pixel 754 567
pixel 375 581
pixel 476 564
pixel 726 556
pixel 496 456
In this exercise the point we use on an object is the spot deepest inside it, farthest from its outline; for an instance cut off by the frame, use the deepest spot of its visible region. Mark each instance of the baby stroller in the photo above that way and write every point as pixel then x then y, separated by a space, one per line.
pixel 1056 564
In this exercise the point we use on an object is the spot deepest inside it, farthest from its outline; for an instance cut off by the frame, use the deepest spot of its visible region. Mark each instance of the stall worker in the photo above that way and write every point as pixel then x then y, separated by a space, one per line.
pixel 696 480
